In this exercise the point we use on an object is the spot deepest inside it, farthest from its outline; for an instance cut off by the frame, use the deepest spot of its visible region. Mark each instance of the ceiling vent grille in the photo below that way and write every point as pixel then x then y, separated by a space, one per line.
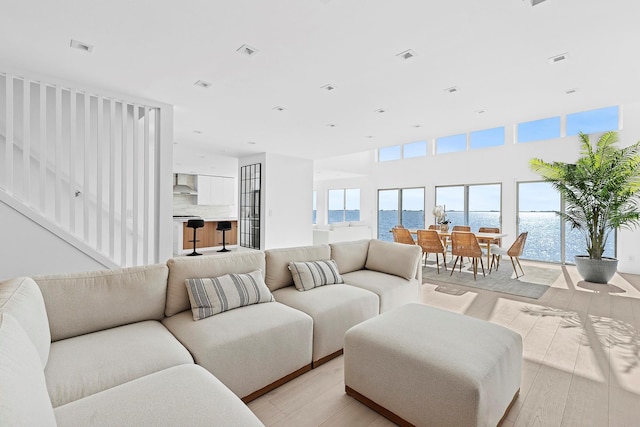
pixel 558 58
pixel 407 54
pixel 81 46
pixel 247 50
pixel 203 84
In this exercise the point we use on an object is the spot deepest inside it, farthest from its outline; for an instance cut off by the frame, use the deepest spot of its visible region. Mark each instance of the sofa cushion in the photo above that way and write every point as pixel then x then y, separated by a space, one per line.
pixel 23 392
pixel 311 274
pixel 185 395
pixel 88 364
pixel 393 291
pixel 334 310
pixel 248 348
pixel 22 298
pixel 350 256
pixel 103 299
pixel 277 261
pixel 394 258
pixel 183 268
pixel 214 295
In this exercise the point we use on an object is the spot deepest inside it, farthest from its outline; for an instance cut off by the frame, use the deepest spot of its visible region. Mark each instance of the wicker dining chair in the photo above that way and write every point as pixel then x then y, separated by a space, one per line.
pixel 514 252
pixel 434 227
pixel 465 244
pixel 491 230
pixel 402 235
pixel 461 228
pixel 430 242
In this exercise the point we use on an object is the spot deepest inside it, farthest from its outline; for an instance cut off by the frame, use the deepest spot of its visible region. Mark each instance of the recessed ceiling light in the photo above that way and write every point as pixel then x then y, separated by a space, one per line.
pixel 452 89
pixel 369 136
pixel 558 58
pixel 380 110
pixel 247 50
pixel 81 46
pixel 251 143
pixel 197 131
pixel 203 84
pixel 277 108
pixel 417 126
pixel 407 54
pixel 570 91
pixel 328 87
pixel 331 125
pixel 481 111
pixel 536 2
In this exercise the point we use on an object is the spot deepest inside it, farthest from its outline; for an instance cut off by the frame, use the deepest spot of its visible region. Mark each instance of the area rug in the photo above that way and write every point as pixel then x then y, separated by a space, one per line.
pixel 533 284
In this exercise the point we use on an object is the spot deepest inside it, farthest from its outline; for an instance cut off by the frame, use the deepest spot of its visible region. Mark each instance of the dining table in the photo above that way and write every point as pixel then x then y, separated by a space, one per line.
pixel 484 239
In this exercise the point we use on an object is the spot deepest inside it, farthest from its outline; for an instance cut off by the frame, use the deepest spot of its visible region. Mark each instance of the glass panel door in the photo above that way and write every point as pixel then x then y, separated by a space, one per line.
pixel 536 203
pixel 412 215
pixel 388 201
pixel 452 198
pixel 484 206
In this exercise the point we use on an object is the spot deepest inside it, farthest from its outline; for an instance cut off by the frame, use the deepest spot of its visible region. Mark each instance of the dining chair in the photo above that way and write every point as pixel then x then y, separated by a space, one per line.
pixel 434 227
pixel 491 230
pixel 402 235
pixel 430 242
pixel 465 244
pixel 461 228
pixel 514 252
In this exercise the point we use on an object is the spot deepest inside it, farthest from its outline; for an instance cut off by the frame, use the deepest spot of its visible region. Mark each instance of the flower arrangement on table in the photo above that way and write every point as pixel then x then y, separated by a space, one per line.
pixel 440 213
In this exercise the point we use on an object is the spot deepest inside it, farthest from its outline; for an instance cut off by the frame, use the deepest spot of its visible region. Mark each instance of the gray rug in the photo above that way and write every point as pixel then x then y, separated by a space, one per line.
pixel 533 284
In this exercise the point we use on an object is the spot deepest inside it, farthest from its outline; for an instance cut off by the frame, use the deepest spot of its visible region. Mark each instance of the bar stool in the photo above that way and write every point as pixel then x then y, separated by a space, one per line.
pixel 224 226
pixel 195 224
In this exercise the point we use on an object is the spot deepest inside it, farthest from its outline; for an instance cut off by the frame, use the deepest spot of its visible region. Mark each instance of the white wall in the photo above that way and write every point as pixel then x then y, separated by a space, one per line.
pixel 26 249
pixel 286 200
pixel 507 164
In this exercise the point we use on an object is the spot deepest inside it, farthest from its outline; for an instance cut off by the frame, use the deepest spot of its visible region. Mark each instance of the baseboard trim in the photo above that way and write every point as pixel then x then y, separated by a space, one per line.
pixel 401 421
pixel 276 384
pixel 325 359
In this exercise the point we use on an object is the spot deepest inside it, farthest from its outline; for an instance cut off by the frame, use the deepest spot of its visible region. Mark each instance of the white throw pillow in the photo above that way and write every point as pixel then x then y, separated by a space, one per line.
pixel 311 274
pixel 210 296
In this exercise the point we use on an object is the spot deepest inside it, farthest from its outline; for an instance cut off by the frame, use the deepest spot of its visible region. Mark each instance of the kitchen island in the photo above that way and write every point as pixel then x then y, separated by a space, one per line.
pixel 208 236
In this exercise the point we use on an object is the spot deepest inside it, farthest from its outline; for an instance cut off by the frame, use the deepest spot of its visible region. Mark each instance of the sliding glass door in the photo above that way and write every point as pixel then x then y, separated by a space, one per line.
pixel 399 206
pixel 473 205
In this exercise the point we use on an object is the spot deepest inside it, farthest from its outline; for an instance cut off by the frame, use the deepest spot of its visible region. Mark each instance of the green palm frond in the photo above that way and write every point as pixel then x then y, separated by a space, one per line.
pixel 600 189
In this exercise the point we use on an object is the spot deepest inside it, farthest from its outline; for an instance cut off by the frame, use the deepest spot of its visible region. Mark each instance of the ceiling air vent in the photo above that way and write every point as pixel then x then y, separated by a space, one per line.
pixel 203 84
pixel 558 58
pixel 81 46
pixel 407 54
pixel 452 89
pixel 247 50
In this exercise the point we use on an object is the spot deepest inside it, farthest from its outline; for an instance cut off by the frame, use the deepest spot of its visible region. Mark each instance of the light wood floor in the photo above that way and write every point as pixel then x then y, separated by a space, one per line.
pixel 581 359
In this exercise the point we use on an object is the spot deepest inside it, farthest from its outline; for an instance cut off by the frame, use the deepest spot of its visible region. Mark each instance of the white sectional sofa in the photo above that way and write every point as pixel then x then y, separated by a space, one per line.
pixel 118 347
pixel 341 232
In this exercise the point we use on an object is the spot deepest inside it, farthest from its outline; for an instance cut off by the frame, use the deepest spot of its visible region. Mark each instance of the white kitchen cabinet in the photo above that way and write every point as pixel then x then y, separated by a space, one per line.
pixel 216 190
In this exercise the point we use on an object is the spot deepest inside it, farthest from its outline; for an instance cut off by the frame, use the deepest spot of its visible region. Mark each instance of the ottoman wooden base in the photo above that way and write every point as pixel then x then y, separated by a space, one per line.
pixel 418 365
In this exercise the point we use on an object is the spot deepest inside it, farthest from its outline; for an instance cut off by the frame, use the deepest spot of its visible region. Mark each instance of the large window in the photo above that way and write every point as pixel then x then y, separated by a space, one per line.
pixel 414 149
pixel 473 205
pixel 538 130
pixel 548 238
pixel 399 206
pixel 344 205
pixel 486 138
pixel 450 144
pixel 387 154
pixel 600 120
pixel 315 207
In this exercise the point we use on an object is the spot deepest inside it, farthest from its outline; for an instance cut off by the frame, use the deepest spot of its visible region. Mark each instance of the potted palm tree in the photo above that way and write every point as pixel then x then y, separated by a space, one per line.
pixel 601 192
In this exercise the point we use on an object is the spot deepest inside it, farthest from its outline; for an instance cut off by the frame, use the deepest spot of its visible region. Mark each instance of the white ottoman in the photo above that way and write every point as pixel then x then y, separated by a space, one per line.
pixel 423 366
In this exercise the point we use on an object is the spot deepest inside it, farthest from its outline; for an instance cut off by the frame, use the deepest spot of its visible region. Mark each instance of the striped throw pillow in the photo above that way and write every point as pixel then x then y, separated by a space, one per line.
pixel 311 274
pixel 215 295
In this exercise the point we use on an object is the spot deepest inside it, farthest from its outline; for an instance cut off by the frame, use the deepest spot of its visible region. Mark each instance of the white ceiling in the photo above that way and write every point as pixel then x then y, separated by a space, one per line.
pixel 495 51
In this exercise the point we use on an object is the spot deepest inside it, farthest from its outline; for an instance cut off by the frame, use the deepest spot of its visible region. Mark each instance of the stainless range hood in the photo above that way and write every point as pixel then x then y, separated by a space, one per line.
pixel 182 188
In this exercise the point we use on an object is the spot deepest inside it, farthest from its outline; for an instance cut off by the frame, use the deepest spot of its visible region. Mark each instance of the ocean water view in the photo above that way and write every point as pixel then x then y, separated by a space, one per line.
pixel 543 240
